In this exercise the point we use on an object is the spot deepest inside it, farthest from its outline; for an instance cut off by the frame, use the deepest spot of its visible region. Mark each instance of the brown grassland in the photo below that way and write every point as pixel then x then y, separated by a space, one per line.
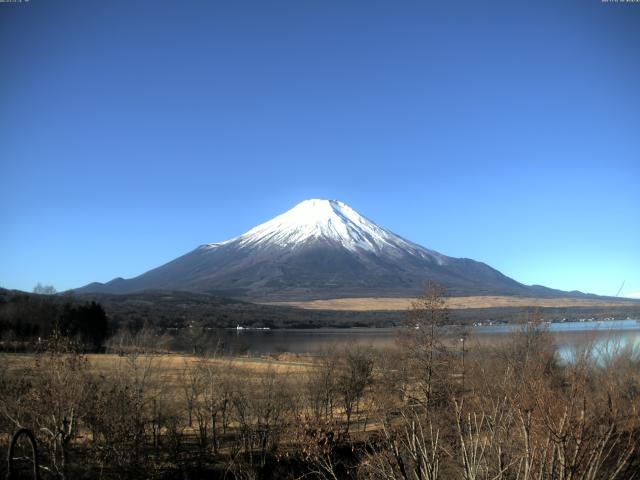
pixel 430 408
pixel 454 303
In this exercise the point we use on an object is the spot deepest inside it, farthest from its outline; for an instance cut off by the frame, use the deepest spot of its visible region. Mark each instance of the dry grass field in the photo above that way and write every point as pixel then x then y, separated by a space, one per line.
pixel 356 414
pixel 169 366
pixel 454 303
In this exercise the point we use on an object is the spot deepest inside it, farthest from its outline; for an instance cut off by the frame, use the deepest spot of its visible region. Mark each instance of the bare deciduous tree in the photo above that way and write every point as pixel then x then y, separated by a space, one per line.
pixel 44 289
pixel 354 376
pixel 427 352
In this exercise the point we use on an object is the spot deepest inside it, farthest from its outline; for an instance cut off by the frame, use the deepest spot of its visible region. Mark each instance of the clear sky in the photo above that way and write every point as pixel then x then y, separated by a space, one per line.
pixel 504 131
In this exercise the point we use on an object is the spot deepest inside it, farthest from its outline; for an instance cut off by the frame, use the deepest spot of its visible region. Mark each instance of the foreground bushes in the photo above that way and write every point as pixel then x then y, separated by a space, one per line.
pixel 508 411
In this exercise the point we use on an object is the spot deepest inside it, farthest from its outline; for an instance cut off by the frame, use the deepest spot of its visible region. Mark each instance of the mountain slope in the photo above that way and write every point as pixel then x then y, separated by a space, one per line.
pixel 319 249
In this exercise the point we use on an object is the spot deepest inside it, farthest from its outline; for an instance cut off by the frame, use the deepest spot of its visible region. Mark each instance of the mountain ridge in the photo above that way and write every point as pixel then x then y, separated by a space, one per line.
pixel 320 249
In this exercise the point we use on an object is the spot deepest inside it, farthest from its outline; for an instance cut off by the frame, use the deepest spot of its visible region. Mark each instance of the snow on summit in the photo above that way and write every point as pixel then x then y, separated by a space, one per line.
pixel 320 249
pixel 332 221
pixel 319 219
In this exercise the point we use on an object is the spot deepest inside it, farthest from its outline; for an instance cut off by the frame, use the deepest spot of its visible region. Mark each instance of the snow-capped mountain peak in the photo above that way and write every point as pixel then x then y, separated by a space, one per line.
pixel 317 219
pixel 318 249
pixel 328 220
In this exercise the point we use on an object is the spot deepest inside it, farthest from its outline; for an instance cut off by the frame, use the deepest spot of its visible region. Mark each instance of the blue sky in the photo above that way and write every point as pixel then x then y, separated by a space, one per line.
pixel 507 132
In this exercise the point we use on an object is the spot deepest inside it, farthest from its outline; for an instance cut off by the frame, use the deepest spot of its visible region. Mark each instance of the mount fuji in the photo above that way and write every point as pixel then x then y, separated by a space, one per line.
pixel 320 249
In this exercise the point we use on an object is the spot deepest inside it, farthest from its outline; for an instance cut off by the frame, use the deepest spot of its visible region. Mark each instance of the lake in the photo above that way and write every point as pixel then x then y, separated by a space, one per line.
pixel 567 336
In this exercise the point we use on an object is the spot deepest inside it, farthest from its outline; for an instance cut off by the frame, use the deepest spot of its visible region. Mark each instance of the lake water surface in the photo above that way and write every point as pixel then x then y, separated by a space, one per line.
pixel 568 336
